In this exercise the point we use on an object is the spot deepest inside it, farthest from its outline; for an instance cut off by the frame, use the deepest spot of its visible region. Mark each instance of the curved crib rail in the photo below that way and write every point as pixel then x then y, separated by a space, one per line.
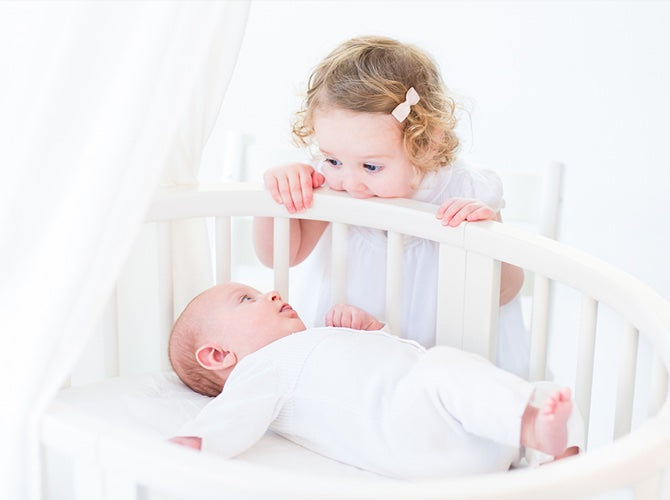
pixel 638 459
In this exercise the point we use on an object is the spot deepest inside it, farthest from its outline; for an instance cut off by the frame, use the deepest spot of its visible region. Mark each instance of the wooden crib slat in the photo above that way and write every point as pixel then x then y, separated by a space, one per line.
pixel 538 327
pixel 223 249
pixel 659 386
pixel 394 269
pixel 87 481
pixel 165 289
pixel 585 356
pixel 450 299
pixel 111 338
pixel 626 387
pixel 482 303
pixel 468 295
pixel 100 359
pixel 93 482
pixel 551 189
pixel 118 487
pixel 338 263
pixel 281 255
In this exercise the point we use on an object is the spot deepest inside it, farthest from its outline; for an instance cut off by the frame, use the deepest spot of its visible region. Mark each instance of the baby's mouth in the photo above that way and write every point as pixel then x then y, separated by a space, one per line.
pixel 288 310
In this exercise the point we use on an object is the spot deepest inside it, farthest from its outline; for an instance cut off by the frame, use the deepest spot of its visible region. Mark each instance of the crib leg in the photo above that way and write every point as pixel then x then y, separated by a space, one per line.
pixel 87 482
pixel 650 488
pixel 119 488
pixel 665 484
pixel 93 483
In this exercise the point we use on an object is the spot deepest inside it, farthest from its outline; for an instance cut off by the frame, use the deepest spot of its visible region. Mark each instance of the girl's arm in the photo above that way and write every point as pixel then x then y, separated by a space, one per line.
pixel 291 185
pixel 456 210
pixel 511 281
pixel 304 235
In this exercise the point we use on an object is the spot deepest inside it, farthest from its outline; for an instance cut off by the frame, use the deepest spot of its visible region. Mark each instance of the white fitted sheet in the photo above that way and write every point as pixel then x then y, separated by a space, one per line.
pixel 158 404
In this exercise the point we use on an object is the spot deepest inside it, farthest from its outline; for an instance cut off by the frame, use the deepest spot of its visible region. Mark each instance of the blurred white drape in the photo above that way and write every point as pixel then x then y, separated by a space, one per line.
pixel 99 103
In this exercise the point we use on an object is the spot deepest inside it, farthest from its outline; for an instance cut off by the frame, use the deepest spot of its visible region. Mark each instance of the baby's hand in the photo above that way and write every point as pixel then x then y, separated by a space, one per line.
pixel 456 210
pixel 348 316
pixel 188 441
pixel 292 185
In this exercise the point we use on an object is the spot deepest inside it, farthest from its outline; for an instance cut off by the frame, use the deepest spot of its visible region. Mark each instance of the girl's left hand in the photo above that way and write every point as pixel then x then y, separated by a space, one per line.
pixel 456 210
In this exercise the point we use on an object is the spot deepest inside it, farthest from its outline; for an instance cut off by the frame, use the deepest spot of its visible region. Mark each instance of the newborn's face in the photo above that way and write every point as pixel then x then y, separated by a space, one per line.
pixel 248 320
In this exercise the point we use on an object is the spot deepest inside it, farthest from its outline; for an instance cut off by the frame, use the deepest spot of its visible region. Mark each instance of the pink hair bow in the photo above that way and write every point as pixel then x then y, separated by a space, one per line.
pixel 402 110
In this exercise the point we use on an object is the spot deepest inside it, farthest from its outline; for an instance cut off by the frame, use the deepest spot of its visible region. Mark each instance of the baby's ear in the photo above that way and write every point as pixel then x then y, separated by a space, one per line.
pixel 214 357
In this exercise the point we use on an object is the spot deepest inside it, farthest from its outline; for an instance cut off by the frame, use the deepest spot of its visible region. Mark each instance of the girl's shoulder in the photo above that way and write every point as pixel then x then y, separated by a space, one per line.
pixel 462 180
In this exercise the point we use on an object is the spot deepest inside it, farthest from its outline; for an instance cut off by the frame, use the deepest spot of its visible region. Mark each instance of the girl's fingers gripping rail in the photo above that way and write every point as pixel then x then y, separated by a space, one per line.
pixel 456 210
pixel 291 185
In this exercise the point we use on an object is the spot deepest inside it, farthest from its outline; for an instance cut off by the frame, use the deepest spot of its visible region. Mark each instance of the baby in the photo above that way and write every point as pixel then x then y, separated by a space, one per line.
pixel 360 396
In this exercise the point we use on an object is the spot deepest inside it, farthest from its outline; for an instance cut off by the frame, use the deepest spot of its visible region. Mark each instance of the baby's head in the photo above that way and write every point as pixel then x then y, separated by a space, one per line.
pixel 372 75
pixel 221 326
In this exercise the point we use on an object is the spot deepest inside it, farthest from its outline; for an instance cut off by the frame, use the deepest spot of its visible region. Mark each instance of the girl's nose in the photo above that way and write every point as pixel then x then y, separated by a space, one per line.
pixel 350 181
pixel 273 295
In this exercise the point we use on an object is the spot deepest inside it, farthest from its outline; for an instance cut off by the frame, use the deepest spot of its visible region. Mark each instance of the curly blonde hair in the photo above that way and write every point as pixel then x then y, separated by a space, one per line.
pixel 372 74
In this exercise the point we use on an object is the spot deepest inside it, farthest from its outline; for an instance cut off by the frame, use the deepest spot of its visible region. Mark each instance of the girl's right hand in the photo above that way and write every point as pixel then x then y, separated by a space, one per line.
pixel 292 185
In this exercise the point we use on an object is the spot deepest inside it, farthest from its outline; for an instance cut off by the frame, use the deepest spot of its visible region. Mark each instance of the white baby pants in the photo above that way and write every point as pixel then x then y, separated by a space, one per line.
pixel 455 413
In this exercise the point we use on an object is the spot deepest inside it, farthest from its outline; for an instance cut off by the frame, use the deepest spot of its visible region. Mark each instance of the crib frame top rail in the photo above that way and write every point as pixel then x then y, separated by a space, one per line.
pixel 240 199
pixel 182 471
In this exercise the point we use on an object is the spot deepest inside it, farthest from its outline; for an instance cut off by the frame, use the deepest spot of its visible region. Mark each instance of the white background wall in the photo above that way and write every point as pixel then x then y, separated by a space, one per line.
pixel 586 83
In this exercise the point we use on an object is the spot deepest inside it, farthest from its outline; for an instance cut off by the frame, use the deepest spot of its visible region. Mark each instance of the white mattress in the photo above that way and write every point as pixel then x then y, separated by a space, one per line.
pixel 158 404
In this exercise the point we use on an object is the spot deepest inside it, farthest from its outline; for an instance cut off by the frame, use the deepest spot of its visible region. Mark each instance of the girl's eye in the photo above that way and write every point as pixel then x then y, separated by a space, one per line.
pixel 332 162
pixel 372 168
pixel 244 298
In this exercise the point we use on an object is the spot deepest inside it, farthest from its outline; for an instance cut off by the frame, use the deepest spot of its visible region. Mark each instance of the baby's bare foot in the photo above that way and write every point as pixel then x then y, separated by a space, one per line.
pixel 545 429
pixel 551 430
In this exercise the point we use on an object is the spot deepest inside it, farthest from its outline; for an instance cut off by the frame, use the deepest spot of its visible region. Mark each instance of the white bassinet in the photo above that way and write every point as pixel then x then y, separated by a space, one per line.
pixel 106 439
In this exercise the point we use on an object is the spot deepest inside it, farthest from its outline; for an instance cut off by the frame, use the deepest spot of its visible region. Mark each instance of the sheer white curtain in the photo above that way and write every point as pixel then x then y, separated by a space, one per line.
pixel 99 102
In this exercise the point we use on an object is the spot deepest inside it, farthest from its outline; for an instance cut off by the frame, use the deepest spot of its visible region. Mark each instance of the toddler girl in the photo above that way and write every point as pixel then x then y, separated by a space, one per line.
pixel 379 115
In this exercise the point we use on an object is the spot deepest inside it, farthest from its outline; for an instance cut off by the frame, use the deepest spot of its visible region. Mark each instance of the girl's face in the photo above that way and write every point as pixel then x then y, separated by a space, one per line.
pixel 364 153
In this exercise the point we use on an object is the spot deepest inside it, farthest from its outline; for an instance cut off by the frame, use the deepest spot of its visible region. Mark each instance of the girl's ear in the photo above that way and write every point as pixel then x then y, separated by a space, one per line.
pixel 214 357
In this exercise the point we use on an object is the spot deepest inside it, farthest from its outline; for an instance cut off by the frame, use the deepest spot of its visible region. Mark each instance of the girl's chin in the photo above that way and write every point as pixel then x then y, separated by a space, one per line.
pixel 360 196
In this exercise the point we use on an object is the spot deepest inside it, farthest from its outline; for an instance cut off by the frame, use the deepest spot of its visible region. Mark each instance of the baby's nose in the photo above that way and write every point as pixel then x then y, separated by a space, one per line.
pixel 273 295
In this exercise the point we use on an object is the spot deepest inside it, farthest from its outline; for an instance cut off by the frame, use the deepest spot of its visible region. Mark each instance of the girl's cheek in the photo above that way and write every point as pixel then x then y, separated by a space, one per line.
pixel 332 180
